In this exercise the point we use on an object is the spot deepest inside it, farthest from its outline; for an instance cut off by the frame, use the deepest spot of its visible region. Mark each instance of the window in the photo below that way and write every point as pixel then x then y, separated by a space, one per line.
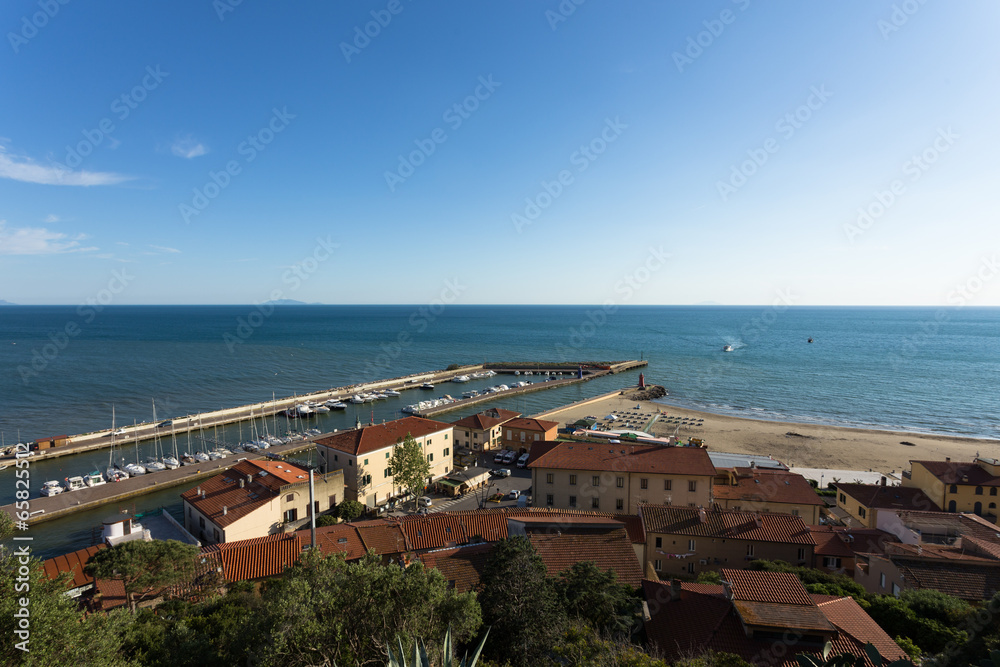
pixel 831 563
pixel 572 480
pixel 794 512
pixel 386 473
pixel 881 580
pixel 366 461
pixel 692 486
pixel 659 542
pixel 800 554
pixel 429 441
pixel 447 451
pixel 572 501
pixel 691 545
pixel 691 567
pixel 290 497
pixel 643 483
pixel 658 565
pixel 595 480
pixel 387 455
pixel 430 457
pixel 668 484
pixel 595 503
pixel 895 589
pixel 522 436
pixel 508 434
pixel 350 462
pixel 954 488
pixel 549 477
pixel 862 512
pixel 291 515
pixel 951 505
pixel 749 550
pixel 993 506
pixel 842 498
pixel 619 504
pixel 979 490
pixel 335 457
pixel 993 490
pixel 201 522
pixel 978 509
pixel 315 507
pixel 333 500
pixel 536 437
pixel 445 437
pixel 549 500
pixel 620 482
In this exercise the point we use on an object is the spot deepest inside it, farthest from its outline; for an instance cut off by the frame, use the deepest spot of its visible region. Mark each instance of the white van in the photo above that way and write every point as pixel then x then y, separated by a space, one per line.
pixel 523 460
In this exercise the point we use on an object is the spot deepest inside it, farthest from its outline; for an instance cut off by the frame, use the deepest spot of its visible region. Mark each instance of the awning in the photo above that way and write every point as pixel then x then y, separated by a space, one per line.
pixel 450 482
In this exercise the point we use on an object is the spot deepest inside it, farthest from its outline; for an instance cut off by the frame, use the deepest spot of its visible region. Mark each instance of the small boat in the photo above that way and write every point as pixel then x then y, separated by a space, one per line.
pixel 134 469
pixel 94 478
pixel 52 488
pixel 250 447
pixel 390 392
pixel 202 456
pixel 727 348
pixel 460 378
pixel 171 462
pixel 75 483
pixel 321 409
pixel 338 405
pixel 215 456
pixel 427 385
pixel 357 399
pixel 304 410
pixel 291 413
pixel 224 452
pixel 810 340
pixel 188 460
pixel 152 465
pixel 116 474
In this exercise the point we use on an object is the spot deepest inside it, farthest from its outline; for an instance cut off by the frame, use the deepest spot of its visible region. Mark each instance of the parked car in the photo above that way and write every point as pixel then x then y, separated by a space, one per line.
pixel 509 457
pixel 501 472
pixel 522 461
pixel 514 494
pixel 424 501
pixel 499 456
pixel 164 424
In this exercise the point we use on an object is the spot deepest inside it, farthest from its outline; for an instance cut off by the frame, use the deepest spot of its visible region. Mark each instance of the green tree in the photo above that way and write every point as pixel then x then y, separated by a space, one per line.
pixel 520 603
pixel 145 568
pixel 6 526
pixel 709 577
pixel 409 465
pixel 597 598
pixel 349 510
pixel 325 610
pixel 324 520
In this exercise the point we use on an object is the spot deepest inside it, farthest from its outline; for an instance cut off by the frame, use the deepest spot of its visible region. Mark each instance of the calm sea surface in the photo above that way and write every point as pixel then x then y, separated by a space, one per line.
pixel 63 368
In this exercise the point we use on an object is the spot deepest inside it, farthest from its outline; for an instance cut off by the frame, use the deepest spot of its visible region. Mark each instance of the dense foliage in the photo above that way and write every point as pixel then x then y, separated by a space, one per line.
pixel 409 466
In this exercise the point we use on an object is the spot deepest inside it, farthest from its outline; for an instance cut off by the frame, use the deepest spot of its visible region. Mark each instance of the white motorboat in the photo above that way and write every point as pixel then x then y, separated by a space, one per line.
pixel 322 409
pixel 357 399
pixel 338 405
pixel 215 456
pixel 75 483
pixel 250 447
pixel 460 378
pixel 116 474
pixel 52 488
pixel 134 469
pixel 225 452
pixel 94 478
pixel 427 385
pixel 727 348
pixel 171 462
pixel 392 392
pixel 304 410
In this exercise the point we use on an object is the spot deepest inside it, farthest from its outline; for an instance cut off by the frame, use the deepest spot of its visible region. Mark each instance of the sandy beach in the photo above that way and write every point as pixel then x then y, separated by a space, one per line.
pixel 802 445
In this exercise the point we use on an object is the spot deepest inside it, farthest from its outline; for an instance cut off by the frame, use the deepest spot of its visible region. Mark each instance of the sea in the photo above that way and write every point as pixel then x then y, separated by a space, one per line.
pixel 64 368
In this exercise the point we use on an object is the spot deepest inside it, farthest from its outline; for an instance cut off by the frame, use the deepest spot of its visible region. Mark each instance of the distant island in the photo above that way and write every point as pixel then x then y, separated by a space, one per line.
pixel 6 303
pixel 290 302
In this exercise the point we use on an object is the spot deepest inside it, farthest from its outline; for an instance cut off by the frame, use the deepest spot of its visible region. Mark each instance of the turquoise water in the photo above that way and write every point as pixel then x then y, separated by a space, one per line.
pixel 918 369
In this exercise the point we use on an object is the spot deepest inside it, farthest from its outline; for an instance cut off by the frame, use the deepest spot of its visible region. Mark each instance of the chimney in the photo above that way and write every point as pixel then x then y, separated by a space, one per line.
pixel 249 479
pixel 728 588
pixel 198 492
pixel 675 589
pixel 702 515
pixel 883 480
pixel 241 483
pixel 947 459
pixel 225 510
pixel 758 521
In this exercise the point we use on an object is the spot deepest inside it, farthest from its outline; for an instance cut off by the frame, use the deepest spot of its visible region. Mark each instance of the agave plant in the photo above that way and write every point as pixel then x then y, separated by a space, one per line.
pixel 421 659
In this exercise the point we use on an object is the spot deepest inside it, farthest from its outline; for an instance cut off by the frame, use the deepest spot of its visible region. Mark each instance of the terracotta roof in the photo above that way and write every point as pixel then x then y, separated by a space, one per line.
pixel 974 581
pixel 959 472
pixel 384 537
pixel 627 458
pixel 964 524
pixel 224 490
pixel 373 438
pixel 608 549
pixel 342 538
pixel 773 486
pixel 433 531
pixel 256 558
pixel 462 567
pixel 73 563
pixel 532 424
pixel 889 497
pixel 486 419
pixel 981 547
pixel 732 524
pixel 703 619
pixel 776 588
pixel 540 448
pixel 491 523
pixel 847 542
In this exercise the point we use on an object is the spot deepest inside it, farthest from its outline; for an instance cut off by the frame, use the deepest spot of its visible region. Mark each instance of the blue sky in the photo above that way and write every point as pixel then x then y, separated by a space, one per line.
pixel 631 152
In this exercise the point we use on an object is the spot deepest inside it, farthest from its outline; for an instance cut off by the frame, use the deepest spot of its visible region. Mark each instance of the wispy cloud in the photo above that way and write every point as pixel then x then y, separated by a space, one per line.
pixel 163 248
pixel 25 169
pixel 188 147
pixel 38 241
pixel 51 217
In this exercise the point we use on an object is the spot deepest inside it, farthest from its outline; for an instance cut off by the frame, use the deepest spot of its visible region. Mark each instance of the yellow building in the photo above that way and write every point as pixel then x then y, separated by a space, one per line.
pixel 862 502
pixel 257 498
pixel 767 490
pixel 482 431
pixel 363 454
pixel 959 486
pixel 617 477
